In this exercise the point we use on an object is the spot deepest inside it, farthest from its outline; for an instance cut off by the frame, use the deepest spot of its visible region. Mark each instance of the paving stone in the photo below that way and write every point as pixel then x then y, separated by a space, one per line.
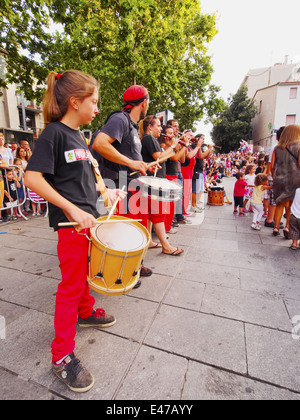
pixel 209 339
pixel 273 356
pixel 154 375
pixel 185 294
pixel 246 306
pixel 207 383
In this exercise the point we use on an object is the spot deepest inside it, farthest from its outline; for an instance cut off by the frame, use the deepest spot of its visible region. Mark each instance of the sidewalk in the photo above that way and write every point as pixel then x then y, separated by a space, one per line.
pixel 215 323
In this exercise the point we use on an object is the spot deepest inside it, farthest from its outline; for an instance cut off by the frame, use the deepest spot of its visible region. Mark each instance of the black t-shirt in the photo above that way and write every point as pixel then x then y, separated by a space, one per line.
pixel 171 167
pixel 150 145
pixel 62 155
pixel 199 166
pixel 11 188
pixel 119 126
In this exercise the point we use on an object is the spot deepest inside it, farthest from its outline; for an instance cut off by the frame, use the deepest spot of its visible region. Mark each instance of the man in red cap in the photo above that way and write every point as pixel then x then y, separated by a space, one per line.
pixel 134 96
pixel 118 141
pixel 119 144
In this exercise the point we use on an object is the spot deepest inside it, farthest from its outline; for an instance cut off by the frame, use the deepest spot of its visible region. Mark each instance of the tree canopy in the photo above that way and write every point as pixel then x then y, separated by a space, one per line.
pixel 161 44
pixel 234 123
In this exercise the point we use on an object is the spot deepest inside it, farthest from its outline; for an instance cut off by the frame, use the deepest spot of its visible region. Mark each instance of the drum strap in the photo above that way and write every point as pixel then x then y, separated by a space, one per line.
pixel 99 178
pixel 101 184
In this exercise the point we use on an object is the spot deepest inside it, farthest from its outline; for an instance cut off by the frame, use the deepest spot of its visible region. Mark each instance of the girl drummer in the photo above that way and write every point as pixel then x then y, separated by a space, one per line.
pixel 60 171
pixel 152 150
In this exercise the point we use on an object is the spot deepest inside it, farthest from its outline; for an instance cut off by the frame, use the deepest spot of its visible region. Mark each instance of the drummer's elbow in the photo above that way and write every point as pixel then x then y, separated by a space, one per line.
pixel 27 179
pixel 96 145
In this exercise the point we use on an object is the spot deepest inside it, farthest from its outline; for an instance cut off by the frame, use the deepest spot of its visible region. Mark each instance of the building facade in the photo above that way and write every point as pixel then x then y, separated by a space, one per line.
pixel 276 92
pixel 20 119
pixel 278 105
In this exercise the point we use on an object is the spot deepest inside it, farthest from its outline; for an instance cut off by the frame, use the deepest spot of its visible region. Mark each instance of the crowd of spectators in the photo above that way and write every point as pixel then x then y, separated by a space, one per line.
pixel 15 200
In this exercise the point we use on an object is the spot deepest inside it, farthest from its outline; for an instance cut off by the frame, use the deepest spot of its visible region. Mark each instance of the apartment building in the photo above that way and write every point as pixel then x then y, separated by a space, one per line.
pixel 276 92
pixel 278 105
pixel 19 118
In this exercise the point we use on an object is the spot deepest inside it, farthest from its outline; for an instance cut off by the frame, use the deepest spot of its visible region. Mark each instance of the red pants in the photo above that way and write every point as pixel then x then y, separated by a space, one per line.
pixel 73 294
pixel 170 216
pixel 187 175
pixel 134 210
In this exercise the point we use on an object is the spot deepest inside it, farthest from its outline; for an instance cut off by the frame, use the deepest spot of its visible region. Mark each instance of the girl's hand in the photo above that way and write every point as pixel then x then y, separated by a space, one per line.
pixel 85 220
pixel 115 194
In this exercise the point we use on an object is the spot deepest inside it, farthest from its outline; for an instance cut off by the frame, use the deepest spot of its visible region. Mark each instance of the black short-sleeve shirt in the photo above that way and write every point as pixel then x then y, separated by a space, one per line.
pixel 150 145
pixel 120 127
pixel 62 155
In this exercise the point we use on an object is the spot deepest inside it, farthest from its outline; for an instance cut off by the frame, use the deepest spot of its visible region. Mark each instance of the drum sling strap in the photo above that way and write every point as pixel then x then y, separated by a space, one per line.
pixel 99 179
pixel 101 184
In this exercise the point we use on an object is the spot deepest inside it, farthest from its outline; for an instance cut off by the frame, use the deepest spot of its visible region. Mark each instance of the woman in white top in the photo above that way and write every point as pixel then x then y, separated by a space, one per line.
pixel 5 153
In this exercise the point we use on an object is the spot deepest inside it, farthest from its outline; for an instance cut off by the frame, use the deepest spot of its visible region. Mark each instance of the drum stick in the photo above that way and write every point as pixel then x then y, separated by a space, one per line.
pixel 114 206
pixel 156 162
pixel 156 169
pixel 101 222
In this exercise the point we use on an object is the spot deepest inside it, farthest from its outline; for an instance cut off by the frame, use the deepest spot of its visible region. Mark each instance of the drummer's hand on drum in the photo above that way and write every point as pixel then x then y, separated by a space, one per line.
pixel 154 168
pixel 139 166
pixel 115 194
pixel 85 220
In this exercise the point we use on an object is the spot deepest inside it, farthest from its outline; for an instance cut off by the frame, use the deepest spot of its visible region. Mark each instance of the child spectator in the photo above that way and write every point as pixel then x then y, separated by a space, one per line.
pixel 228 167
pixel 250 179
pixel 19 175
pixel 294 233
pixel 3 165
pixel 260 167
pixel 239 193
pixel 10 192
pixel 261 185
pixel 234 171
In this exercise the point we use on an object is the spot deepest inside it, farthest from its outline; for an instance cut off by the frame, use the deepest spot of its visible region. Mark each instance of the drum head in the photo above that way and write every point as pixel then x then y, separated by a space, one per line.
pixel 157 183
pixel 123 237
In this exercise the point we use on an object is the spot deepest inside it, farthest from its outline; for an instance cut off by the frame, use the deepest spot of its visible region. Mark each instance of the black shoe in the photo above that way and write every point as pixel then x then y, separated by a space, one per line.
pixel 270 225
pixel 97 319
pixel 71 373
pixel 139 283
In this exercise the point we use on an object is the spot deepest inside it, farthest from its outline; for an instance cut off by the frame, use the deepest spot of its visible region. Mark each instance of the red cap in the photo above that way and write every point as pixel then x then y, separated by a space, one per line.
pixel 135 95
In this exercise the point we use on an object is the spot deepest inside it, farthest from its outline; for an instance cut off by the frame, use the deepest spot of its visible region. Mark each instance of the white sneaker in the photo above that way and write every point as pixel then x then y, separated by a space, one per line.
pixel 196 210
pixel 199 207
pixel 172 231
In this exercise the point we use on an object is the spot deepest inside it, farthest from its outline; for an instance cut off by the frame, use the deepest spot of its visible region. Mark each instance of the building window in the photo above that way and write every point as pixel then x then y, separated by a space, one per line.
pixel 290 119
pixel 260 107
pixel 293 93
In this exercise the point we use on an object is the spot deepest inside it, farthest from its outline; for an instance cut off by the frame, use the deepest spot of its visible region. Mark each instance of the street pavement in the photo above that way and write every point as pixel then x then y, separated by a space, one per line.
pixel 215 323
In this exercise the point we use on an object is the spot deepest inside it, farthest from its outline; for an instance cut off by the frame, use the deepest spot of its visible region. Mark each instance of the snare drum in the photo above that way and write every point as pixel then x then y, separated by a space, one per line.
pixel 216 196
pixel 115 256
pixel 160 189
